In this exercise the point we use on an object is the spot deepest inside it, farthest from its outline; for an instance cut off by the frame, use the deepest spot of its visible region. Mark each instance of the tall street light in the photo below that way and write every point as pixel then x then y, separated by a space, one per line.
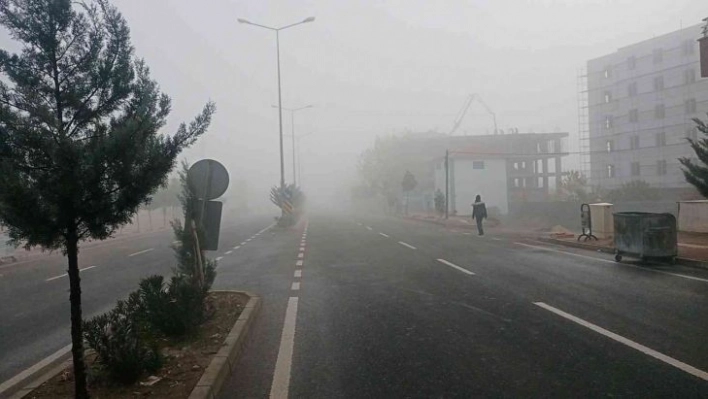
pixel 292 126
pixel 280 103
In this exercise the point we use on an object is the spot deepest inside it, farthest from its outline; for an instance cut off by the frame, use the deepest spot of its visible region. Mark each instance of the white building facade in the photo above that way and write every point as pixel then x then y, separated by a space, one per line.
pixel 641 102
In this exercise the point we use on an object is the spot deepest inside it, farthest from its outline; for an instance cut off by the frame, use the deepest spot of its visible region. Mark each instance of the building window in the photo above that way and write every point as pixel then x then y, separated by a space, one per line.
pixel 689 76
pixel 658 55
pixel 660 139
pixel 610 170
pixel 610 145
pixel 632 89
pixel 633 115
pixel 478 165
pixel 634 143
pixel 608 97
pixel 659 111
pixel 690 106
pixel 688 47
pixel 692 133
pixel 516 182
pixel 608 121
pixel 635 169
pixel 631 62
pixel 661 168
pixel 607 72
pixel 659 83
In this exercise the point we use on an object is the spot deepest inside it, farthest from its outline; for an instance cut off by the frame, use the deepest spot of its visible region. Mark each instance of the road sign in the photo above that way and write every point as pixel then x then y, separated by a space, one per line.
pixel 212 224
pixel 209 178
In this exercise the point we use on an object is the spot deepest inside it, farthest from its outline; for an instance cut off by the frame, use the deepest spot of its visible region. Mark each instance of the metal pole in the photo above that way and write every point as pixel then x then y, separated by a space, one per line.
pixel 447 184
pixel 280 113
pixel 292 124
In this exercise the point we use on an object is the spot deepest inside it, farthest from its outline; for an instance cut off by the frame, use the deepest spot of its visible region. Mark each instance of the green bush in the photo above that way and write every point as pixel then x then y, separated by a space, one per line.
pixel 117 338
pixel 175 309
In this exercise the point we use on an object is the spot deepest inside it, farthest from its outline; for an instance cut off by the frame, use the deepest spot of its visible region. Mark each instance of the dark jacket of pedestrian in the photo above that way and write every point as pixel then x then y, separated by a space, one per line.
pixel 479 212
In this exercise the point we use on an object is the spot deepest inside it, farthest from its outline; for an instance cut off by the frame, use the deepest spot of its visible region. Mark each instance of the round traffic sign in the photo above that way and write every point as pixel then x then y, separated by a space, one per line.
pixel 209 178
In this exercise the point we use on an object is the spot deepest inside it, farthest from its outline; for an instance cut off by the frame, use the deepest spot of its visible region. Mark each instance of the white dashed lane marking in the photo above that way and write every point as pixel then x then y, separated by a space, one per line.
pixel 229 252
pixel 298 263
pixel 454 266
pixel 406 245
pixel 141 252
pixel 298 273
pixel 65 274
pixel 295 286
pixel 219 258
pixel 384 235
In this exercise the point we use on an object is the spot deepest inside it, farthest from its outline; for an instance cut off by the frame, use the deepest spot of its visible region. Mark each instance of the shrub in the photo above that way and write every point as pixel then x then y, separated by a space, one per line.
pixel 117 338
pixel 174 310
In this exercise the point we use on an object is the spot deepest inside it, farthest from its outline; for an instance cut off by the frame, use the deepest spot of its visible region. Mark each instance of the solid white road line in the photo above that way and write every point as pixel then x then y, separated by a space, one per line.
pixel 298 263
pixel 33 369
pixel 648 351
pixel 66 274
pixel 281 377
pixel 454 266
pixel 301 255
pixel 406 245
pixel 298 273
pixel 219 258
pixel 295 286
pixel 141 252
pixel 229 252
pixel 383 235
pixel 703 280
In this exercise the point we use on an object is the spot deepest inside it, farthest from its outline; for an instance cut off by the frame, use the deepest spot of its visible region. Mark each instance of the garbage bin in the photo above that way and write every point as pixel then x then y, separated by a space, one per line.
pixel 645 235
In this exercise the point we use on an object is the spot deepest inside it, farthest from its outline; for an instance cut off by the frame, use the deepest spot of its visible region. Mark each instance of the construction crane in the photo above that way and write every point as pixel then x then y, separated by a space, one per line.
pixel 466 106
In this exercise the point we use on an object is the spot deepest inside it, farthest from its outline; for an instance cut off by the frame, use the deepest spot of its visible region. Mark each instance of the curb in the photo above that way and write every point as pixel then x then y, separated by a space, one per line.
pixel 214 377
pixel 208 386
pixel 610 250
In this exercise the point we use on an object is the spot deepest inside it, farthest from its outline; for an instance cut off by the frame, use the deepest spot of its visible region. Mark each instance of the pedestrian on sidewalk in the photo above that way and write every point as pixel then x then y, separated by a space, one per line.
pixel 479 213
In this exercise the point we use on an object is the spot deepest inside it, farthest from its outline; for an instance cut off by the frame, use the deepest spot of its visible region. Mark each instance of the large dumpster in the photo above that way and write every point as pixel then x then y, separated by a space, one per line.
pixel 645 235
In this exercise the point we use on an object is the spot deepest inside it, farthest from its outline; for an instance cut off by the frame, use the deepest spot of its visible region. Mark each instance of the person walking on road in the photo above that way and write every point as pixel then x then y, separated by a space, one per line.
pixel 479 213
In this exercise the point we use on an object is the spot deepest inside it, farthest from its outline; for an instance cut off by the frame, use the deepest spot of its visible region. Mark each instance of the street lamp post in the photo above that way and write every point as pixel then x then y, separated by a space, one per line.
pixel 280 102
pixel 299 157
pixel 292 129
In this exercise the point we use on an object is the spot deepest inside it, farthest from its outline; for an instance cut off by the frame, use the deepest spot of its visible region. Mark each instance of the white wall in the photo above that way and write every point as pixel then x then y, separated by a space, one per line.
pixel 693 216
pixel 490 183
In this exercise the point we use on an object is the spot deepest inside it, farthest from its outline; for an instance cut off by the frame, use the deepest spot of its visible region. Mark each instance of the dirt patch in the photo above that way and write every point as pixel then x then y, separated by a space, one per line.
pixel 184 361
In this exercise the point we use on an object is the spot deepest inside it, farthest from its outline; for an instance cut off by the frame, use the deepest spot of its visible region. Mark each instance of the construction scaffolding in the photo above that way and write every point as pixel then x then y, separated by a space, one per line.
pixel 583 123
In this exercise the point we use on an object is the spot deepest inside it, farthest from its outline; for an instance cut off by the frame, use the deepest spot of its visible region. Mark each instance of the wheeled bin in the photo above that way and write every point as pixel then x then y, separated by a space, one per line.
pixel 645 236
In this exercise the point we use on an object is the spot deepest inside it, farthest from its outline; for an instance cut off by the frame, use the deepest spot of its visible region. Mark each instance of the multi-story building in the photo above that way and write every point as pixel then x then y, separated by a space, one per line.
pixel 641 101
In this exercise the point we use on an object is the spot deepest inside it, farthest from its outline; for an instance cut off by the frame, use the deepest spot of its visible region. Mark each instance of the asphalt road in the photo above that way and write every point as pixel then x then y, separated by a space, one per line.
pixel 34 298
pixel 386 308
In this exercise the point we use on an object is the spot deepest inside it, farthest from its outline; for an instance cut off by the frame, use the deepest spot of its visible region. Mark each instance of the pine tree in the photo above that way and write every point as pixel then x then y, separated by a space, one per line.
pixel 80 150
pixel 697 173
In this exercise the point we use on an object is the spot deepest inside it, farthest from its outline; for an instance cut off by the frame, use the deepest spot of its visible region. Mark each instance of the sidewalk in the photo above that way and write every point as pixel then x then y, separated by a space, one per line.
pixel 693 248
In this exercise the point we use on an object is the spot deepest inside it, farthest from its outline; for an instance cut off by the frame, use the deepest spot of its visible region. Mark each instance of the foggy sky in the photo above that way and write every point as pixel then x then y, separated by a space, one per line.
pixel 376 67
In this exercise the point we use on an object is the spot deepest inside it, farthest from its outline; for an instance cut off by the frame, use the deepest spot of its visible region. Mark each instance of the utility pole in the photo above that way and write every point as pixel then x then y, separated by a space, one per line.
pixel 447 183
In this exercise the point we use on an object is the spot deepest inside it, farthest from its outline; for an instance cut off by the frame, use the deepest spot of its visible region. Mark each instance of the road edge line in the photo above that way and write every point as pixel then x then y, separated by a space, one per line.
pixel 687 368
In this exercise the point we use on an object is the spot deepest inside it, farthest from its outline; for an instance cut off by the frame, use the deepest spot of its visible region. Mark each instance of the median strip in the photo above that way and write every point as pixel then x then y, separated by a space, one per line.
pixel 634 345
pixel 454 266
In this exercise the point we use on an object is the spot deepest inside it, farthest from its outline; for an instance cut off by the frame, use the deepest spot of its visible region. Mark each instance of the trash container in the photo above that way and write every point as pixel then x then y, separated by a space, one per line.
pixel 645 235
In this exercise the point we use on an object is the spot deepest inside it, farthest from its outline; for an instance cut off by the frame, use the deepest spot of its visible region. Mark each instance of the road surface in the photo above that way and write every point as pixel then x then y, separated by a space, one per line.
pixel 358 307
pixel 379 308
